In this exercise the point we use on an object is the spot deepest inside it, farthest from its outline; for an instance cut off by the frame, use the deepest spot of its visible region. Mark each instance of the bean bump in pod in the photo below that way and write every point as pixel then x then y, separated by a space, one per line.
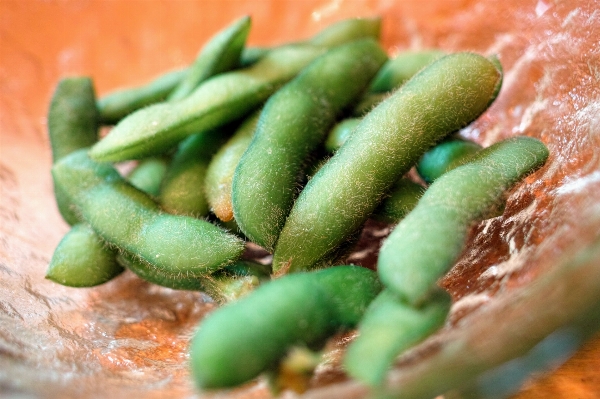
pixel 293 122
pixel 413 258
pixel 243 339
pixel 131 220
pixel 442 98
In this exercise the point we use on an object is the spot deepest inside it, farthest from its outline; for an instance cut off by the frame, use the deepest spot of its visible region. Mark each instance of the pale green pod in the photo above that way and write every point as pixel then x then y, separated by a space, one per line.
pixel 148 174
pixel 219 175
pixel 340 133
pixel 82 259
pixel 129 219
pixel 402 67
pixel 442 98
pixel 218 101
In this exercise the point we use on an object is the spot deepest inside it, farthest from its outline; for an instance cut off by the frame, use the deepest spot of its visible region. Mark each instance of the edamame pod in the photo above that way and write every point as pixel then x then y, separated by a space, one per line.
pixel 425 244
pixel 117 104
pixel 243 339
pixel 340 133
pixel 293 122
pixel 72 124
pixel 225 285
pixel 182 189
pixel 82 259
pixel 337 33
pixel 132 221
pixel 402 199
pixel 221 53
pixel 148 174
pixel 442 98
pixel 156 276
pixel 347 30
pixel 219 100
pixel 445 156
pixel 219 175
pixel 387 329
pixel 401 68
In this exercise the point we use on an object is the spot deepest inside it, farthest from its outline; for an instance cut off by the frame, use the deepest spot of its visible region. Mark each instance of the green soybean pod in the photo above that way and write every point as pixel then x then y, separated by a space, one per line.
pixel 182 191
pixel 153 275
pixel 219 175
pixel 347 30
pixel 293 122
pixel 72 124
pixel 402 67
pixel 388 328
pixel 129 219
pixel 82 259
pixel 425 244
pixel 340 133
pixel 148 174
pixel 445 156
pixel 442 98
pixel 226 285
pixel 116 105
pixel 237 342
pixel 216 102
pixel 221 53
pixel 402 198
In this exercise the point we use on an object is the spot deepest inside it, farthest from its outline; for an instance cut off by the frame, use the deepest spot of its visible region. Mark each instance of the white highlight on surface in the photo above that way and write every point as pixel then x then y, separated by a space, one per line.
pixel 541 8
pixel 577 185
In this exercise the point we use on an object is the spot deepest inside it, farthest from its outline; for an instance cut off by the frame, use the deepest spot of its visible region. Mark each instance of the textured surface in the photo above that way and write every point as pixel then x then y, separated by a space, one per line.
pixel 129 337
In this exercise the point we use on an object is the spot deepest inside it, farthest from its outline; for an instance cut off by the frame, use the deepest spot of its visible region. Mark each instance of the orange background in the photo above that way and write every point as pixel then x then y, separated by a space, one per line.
pixel 128 337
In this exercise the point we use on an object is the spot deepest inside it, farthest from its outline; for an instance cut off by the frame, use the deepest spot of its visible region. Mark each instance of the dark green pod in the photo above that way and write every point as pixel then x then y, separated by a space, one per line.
pixel 442 98
pixel 226 285
pixel 220 54
pixel 131 220
pixel 388 328
pixel 426 243
pixel 237 342
pixel 153 275
pixel 401 199
pixel 82 259
pixel 72 125
pixel 182 191
pixel 445 156
pixel 293 122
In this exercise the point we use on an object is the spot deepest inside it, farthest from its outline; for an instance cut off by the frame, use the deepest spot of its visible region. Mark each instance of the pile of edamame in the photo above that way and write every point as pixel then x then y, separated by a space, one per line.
pixel 292 148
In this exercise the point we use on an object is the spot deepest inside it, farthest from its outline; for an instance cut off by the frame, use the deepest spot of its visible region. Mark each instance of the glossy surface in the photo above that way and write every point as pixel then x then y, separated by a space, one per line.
pixel 128 337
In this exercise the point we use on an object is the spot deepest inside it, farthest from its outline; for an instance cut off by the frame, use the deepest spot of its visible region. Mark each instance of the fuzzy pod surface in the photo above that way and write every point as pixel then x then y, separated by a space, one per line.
pixel 129 219
pixel 442 98
pixel 82 259
pixel 425 244
pixel 293 122
pixel 237 342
